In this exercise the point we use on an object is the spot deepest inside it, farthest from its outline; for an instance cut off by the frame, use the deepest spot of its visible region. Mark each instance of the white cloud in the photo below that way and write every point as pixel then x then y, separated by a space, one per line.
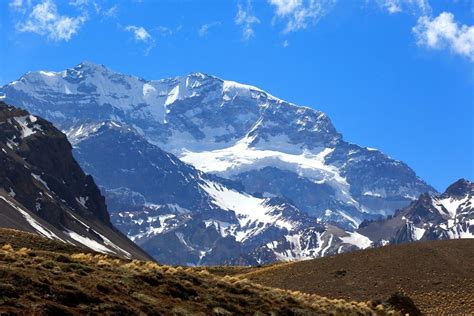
pixel 204 29
pixel 392 6
pixel 300 13
pixel 443 32
pixel 285 7
pixel 419 7
pixel 139 33
pixel 246 19
pixel 285 43
pixel 45 20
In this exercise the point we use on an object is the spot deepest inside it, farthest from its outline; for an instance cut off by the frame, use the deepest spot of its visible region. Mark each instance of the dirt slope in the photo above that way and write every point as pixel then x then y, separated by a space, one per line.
pixel 437 275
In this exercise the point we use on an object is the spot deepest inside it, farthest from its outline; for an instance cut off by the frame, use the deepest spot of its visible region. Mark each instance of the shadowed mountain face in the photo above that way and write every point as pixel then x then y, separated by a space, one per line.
pixel 43 189
pixel 204 164
pixel 431 217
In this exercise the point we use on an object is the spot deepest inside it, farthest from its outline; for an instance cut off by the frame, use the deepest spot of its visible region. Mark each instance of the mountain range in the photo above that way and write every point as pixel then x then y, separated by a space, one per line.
pixel 199 170
pixel 431 217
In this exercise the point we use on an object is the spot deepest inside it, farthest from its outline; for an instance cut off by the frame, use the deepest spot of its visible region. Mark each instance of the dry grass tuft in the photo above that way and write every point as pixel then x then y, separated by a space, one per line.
pixel 7 248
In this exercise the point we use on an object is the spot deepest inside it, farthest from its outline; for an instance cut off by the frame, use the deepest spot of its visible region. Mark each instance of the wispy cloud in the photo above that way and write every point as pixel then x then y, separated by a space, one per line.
pixel 204 29
pixel 246 19
pixel 298 14
pixel 444 32
pixel 418 7
pixel 79 3
pixel 20 5
pixel 164 30
pixel 285 44
pixel 104 12
pixel 45 20
pixel 111 12
pixel 140 34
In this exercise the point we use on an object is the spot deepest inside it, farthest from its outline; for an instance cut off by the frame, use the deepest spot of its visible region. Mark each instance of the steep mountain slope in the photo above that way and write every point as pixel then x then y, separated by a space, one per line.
pixel 181 215
pixel 446 216
pixel 232 130
pixel 43 190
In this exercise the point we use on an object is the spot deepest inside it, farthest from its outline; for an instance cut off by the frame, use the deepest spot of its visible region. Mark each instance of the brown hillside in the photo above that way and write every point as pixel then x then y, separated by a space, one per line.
pixel 47 279
pixel 437 275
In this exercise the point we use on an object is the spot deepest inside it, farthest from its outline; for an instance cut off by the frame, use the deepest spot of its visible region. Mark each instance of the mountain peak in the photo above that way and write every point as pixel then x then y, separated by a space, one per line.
pixel 201 75
pixel 460 188
pixel 90 65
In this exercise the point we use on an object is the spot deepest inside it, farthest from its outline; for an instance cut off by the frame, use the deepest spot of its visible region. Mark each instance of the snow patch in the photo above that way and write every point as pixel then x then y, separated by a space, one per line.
pixel 36 225
pixel 38 178
pixel 356 239
pixel 89 243
pixel 82 200
pixel 24 121
pixel 418 232
pixel 252 213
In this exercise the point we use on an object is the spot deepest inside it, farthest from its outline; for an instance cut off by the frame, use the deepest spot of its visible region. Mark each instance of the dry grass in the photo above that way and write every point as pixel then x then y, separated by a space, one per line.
pixel 51 282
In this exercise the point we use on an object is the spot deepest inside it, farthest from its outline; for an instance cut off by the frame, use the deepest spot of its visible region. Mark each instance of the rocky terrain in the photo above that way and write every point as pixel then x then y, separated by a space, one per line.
pixel 43 190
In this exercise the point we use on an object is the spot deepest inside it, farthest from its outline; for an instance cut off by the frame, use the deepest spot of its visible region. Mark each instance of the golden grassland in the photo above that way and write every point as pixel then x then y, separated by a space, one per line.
pixel 47 282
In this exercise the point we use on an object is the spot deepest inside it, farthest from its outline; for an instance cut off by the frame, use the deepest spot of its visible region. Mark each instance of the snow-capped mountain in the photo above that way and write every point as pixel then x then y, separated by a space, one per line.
pixel 431 217
pixel 232 130
pixel 43 190
pixel 182 215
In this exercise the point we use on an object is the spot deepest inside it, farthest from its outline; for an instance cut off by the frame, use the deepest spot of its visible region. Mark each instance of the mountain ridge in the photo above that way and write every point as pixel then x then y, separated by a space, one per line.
pixel 43 189
pixel 449 215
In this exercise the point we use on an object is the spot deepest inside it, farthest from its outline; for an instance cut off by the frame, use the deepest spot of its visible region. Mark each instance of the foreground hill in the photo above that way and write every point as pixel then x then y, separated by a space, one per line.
pixel 52 280
pixel 437 275
pixel 43 190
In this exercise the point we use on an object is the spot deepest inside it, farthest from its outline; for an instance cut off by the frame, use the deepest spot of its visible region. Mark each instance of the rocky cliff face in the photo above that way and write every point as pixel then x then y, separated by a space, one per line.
pixel 43 189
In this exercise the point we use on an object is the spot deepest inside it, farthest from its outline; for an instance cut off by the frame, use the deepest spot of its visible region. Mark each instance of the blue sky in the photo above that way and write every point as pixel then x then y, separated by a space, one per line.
pixel 397 75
